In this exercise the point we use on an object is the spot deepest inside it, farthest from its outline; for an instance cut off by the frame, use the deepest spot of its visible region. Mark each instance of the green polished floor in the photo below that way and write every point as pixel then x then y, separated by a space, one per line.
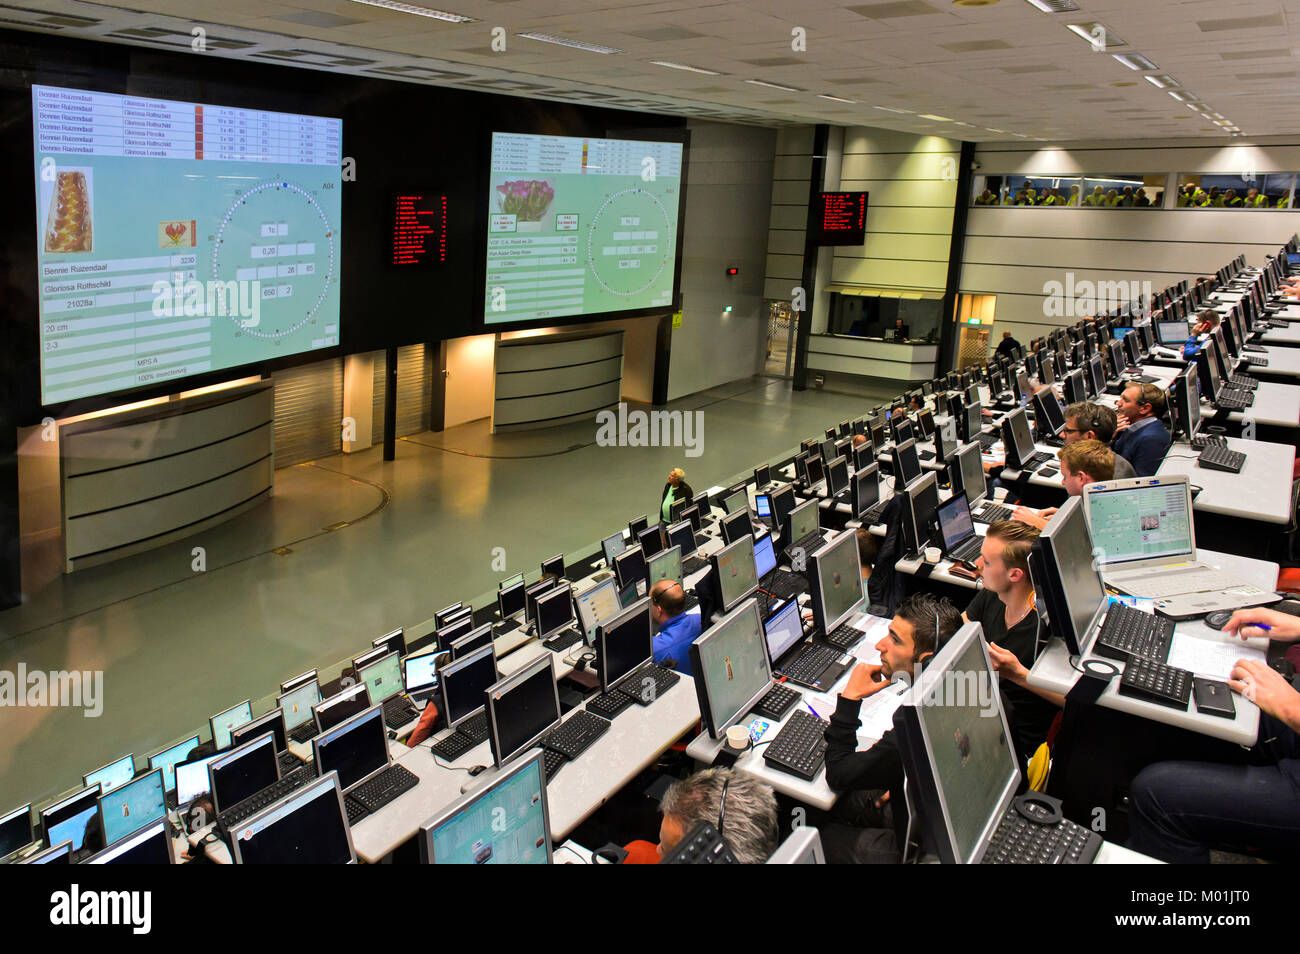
pixel 348 549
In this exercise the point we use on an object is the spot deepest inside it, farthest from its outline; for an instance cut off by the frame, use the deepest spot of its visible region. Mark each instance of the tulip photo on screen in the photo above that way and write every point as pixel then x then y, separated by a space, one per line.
pixel 528 199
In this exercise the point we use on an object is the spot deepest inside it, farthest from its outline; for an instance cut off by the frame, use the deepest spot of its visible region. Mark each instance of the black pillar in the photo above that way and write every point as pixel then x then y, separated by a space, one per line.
pixel 390 405
pixel 948 335
pixel 803 325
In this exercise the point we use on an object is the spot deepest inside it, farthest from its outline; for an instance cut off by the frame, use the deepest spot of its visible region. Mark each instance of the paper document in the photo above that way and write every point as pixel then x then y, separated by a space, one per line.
pixel 1211 657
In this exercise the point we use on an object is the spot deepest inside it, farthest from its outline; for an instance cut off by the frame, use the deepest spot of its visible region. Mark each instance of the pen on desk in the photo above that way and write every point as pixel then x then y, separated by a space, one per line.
pixel 811 709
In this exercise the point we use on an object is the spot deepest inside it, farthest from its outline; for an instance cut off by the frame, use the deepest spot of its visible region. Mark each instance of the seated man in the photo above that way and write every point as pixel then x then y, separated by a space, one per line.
pixel 859 829
pixel 677 628
pixel 1095 422
pixel 1206 322
pixel 1140 436
pixel 1082 463
pixel 1180 809
pixel 1005 609
pixel 746 806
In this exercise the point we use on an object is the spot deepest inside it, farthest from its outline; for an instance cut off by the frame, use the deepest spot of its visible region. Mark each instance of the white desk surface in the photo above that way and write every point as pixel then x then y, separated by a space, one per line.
pixel 1262 491
pixel 1052 670
pixel 1276 405
pixel 1282 360
pixel 815 792
pixel 1113 854
pixel 1290 335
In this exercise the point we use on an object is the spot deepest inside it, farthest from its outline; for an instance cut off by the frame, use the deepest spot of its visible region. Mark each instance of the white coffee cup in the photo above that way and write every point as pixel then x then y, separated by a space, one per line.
pixel 933 554
pixel 738 737
pixel 999 494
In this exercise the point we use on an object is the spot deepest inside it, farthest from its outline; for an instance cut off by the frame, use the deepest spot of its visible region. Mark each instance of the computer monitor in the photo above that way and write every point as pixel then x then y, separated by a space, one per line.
pixel 60 854
pixel 1186 398
pixel 1096 375
pixel 1016 438
pixel 310 826
pixel 692 516
pixel 1173 333
pixel 272 722
pixel 945 444
pixel 243 771
pixel 961 766
pixel 967 474
pixel 340 706
pixel 801 522
pixel 462 683
pixel 803 847
pixel 111 775
pixel 69 819
pixel 972 422
pixel 903 430
pixel 1049 416
pixel 827 451
pixel 420 673
pixel 1075 391
pixel 296 704
pixel 1131 349
pixel 737 526
pixel 764 556
pixel 555 611
pixel 907 464
pixel 921 512
pixel 440 618
pixel 296 681
pixel 837 476
pixel 1063 570
pixel 223 722
pixel 682 536
pixel 192 779
pixel 474 639
pixel 510 581
pixel 1047 369
pixel 131 806
pixel 454 630
pixel 531 596
pixel 612 546
pixel 836 581
pixel 816 473
pixel 701 500
pixel 383 677
pixel 637 525
pixel 512 601
pixel 394 642
pixel 522 708
pixel 863 455
pixel 865 490
pixel 598 603
pixel 665 565
pixel 378 652
pixel 505 823
pixel 783 501
pixel 736 500
pixel 623 644
pixel 150 845
pixel 356 749
pixel 762 476
pixel 651 540
pixel 877 436
pixel 736 572
pixel 732 671
pixel 630 567
pixel 16 830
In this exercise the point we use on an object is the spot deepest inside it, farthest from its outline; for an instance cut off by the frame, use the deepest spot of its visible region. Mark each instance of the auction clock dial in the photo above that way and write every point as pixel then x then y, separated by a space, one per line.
pixel 277 234
pixel 629 242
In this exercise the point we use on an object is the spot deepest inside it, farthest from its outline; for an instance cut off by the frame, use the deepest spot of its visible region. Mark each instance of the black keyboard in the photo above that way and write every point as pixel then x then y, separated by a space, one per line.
pixel 1156 682
pixel 1243 381
pixel 992 513
pixel 562 640
pixel 872 516
pixel 777 702
pixel 552 762
pixel 304 733
pixel 1052 441
pixel 968 550
pixel 703 846
pixel 609 705
pixel 693 565
pixel 1220 458
pixel 232 816
pixel 356 811
pixel 926 455
pixel 1019 841
pixel 691 600
pixel 638 690
pixel 808 543
pixel 1036 459
pixel 289 763
pixel 807 668
pixel 843 638
pixel 800 747
pixel 988 439
pixel 571 737
pixel 1235 399
pixel 1254 349
pixel 398 712
pixel 453 747
pixel 1129 633
pixel 1256 362
pixel 785 585
pixel 377 792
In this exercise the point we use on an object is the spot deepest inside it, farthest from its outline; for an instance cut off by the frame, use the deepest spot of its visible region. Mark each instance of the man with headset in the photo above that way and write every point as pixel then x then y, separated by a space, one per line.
pixel 859 830
pixel 677 628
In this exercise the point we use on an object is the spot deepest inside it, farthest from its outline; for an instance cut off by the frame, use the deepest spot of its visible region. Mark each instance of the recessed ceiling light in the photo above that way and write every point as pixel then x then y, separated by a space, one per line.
pixel 973 3
pixel 683 66
pixel 835 99
pixel 891 109
pixel 1162 81
pixel 1135 61
pixel 937 119
pixel 1125 83
pixel 418 11
pixel 1055 6
pixel 1096 33
pixel 565 41
pixel 788 89
pixel 1181 96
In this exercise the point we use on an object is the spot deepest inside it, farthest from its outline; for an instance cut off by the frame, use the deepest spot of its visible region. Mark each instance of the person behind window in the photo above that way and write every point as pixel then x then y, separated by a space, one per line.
pixel 1140 199
pixel 1096 197
pixel 1074 196
pixel 900 330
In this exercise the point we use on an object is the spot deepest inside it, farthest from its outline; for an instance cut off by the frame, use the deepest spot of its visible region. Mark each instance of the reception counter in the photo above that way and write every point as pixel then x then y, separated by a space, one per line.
pixel 872 357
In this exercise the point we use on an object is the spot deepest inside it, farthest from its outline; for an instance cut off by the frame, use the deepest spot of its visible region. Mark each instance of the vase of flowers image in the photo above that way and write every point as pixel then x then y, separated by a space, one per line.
pixel 528 200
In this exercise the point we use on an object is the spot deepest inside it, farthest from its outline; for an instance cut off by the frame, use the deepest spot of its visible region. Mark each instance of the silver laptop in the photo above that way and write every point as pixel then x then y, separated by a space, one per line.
pixel 1144 542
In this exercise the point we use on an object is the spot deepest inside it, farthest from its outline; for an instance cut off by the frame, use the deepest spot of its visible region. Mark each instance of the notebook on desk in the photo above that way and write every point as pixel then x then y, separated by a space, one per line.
pixel 1144 538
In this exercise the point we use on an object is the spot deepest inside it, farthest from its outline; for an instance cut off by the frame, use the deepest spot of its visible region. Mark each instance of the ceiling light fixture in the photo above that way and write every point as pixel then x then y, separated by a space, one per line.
pixel 788 89
pixel 1163 81
pixel 1096 33
pixel 1054 6
pixel 937 119
pixel 1135 61
pixel 683 66
pixel 418 11
pixel 835 99
pixel 572 44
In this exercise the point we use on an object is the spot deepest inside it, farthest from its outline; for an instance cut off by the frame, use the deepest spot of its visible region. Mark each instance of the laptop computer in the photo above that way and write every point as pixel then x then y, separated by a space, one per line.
pixel 1145 540
pixel 957 531
pixel 796 659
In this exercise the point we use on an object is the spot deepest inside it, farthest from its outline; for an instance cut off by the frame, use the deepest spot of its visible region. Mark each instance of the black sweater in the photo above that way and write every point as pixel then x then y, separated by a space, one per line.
pixel 880 766
pixel 683 492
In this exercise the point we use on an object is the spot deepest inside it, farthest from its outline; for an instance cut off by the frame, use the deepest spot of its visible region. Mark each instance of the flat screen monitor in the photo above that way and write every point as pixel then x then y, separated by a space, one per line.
pixel 630 568
pixel 129 807
pixel 16 830
pixel 394 642
pixel 783 501
pixel 355 749
pixel 737 526
pixel 682 536
pixel 837 476
pixel 971 470
pixel 453 631
pixel 308 827
pixel 637 525
pixel 272 722
pixel 462 683
pixel 737 572
pixel 340 706
pixel 554 566
pixel 309 676
pixel 836 581
pixel 623 644
pixel 223 722
pixel 511 600
pixel 243 771
pixel 112 775
pixel 1065 572
pixel 665 565
pixel 612 546
pixel 441 617
pixel 151 845
pixel 383 677
pixel 555 611
pixel 521 709
pixel 651 540
pixel 802 522
pixel 921 518
pixel 296 704
pixel 204 254
pixel 192 779
pixel 70 819
pixel 580 226
pixel 906 462
pixel 866 490
pixel 474 639
pixel 732 671
pixel 505 823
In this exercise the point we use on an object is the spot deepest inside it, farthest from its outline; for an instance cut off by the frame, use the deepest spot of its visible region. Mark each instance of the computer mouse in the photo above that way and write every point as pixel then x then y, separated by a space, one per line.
pixel 476 769
pixel 1218 619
